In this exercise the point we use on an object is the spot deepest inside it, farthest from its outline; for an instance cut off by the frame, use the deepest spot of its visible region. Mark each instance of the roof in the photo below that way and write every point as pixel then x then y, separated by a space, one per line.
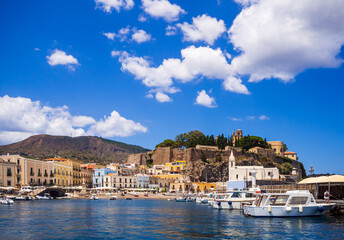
pixel 288 152
pixel 56 159
pixel 323 179
pixel 110 174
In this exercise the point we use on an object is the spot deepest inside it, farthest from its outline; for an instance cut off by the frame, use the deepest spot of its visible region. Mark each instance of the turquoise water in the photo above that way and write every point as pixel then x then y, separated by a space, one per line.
pixel 152 219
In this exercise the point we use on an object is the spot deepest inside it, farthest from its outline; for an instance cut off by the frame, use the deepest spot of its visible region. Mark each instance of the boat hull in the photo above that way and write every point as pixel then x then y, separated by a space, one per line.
pixel 294 211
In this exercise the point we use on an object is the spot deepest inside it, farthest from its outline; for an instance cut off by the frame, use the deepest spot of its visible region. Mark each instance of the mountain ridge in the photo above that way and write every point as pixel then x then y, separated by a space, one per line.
pixel 83 148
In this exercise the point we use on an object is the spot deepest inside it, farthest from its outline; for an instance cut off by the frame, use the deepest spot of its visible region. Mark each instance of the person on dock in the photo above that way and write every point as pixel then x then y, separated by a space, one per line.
pixel 327 197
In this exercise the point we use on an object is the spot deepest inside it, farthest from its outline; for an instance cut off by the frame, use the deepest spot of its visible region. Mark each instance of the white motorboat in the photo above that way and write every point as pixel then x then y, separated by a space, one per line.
pixel 203 199
pixel 181 199
pixel 290 204
pixel 113 198
pixel 234 200
pixel 94 197
pixel 45 197
pixel 6 201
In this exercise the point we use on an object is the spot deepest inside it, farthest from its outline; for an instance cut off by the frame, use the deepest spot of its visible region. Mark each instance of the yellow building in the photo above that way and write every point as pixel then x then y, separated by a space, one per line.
pixel 204 186
pixel 173 177
pixel 176 167
pixel 277 147
pixel 76 169
pixel 63 174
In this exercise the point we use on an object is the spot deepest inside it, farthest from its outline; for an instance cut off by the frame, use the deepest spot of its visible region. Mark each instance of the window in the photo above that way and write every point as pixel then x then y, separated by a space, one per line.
pixel 250 174
pixel 31 180
pixel 8 183
pixel 279 200
pixel 298 200
pixel 236 195
pixel 9 172
pixel 237 176
pixel 18 161
pixel 269 173
pixel 98 174
pixel 8 160
pixel 114 185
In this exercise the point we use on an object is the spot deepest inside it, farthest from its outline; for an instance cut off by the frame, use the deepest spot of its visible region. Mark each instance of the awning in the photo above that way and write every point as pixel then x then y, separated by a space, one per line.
pixel 323 179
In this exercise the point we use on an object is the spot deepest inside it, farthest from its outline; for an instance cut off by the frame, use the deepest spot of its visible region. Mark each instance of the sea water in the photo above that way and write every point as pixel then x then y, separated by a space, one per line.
pixel 152 219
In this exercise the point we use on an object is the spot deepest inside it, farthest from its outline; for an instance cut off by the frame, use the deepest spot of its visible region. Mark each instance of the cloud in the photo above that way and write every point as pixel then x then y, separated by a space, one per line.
pixel 250 117
pixel 280 39
pixel 171 30
pixel 162 97
pixel 142 18
pixel 108 5
pixel 36 49
pixel 196 62
pixel 59 57
pixel 234 119
pixel 203 28
pixel 140 36
pixel 205 100
pixel 162 9
pixel 110 35
pixel 21 117
pixel 149 95
pixel 263 117
pixel 115 125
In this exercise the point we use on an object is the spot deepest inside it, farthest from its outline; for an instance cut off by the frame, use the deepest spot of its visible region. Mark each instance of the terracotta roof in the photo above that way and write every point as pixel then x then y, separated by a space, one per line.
pixel 289 152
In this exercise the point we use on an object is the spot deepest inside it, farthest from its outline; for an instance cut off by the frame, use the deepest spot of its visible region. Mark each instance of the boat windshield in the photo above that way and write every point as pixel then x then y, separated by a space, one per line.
pixel 279 200
pixel 298 200
pixel 236 195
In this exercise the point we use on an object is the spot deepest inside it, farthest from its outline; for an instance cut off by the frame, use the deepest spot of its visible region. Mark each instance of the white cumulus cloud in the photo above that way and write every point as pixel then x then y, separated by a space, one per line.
pixel 263 117
pixel 59 57
pixel 21 117
pixel 171 30
pixel 205 100
pixel 203 28
pixel 108 5
pixel 162 97
pixel 110 35
pixel 280 39
pixel 140 36
pixel 162 9
pixel 196 62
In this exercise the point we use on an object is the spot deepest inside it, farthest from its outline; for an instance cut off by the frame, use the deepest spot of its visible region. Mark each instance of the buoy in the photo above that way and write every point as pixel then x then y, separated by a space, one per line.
pixel 320 208
pixel 219 203
pixel 269 208
pixel 288 209
pixel 300 209
pixel 229 202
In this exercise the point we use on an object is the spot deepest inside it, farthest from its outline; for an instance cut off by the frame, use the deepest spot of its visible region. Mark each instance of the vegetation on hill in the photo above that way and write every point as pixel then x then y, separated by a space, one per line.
pixel 83 149
pixel 248 142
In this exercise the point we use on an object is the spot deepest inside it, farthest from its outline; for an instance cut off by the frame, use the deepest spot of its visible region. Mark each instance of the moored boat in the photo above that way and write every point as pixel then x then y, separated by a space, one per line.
pixel 6 201
pixel 290 204
pixel 94 197
pixel 234 200
pixel 113 198
pixel 181 199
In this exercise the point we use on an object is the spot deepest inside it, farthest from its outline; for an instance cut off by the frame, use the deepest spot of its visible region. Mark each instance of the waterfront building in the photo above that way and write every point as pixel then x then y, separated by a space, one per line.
pixel 88 166
pixel 86 177
pixel 277 147
pixel 153 182
pixel 142 180
pixel 7 173
pixel 239 175
pixel 262 151
pixel 204 186
pixel 30 171
pixel 76 168
pixel 98 177
pixel 181 187
pixel 63 174
pixel 172 177
pixel 113 180
pixel 291 155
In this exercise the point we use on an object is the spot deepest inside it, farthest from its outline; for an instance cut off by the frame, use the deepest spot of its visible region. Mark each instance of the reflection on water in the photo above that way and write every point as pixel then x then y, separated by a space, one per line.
pixel 152 219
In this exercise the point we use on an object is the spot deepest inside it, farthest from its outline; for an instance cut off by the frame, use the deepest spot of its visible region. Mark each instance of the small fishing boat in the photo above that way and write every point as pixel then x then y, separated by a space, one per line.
pixel 234 200
pixel 45 197
pixel 129 198
pixel 113 198
pixel 6 201
pixel 189 199
pixel 300 203
pixel 181 199
pixel 94 197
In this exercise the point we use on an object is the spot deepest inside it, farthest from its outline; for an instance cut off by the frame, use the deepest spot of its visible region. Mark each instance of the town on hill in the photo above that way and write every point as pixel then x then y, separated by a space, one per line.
pixel 191 161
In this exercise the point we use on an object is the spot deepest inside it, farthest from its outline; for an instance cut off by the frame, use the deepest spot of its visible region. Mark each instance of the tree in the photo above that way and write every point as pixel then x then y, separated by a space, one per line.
pixel 248 142
pixel 167 143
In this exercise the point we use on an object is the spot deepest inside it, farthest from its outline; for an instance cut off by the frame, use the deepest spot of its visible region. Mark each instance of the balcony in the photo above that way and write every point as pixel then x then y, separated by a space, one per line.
pixel 32 174
pixel 45 174
pixel 39 174
pixel 9 174
pixel 51 175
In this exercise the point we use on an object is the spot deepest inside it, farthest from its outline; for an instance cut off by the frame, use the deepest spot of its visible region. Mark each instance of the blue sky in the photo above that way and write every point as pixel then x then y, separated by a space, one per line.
pixel 268 67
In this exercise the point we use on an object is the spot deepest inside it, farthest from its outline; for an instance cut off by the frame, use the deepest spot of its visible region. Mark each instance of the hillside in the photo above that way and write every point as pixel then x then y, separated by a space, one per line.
pixel 84 149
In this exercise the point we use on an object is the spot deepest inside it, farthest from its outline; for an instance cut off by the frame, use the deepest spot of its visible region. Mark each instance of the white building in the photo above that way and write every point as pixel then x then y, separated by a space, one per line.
pixel 239 175
pixel 113 180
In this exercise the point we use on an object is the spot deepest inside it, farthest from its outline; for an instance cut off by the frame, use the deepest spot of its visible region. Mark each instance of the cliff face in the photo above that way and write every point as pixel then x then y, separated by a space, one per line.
pixel 212 165
pixel 84 149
